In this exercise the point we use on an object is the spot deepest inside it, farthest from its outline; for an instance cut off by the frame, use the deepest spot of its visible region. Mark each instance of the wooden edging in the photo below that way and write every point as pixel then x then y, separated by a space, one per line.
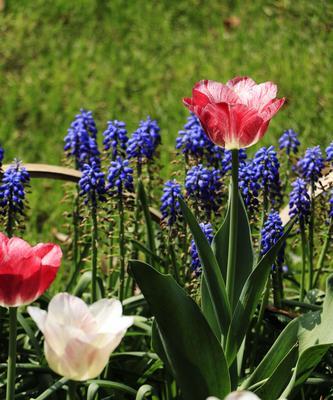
pixel 73 175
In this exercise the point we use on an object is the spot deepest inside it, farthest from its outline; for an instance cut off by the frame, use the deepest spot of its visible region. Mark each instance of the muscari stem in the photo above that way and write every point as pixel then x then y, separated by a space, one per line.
pixel 11 367
pixel 311 233
pixel 232 247
pixel 122 248
pixel 323 252
pixel 94 236
pixel 303 240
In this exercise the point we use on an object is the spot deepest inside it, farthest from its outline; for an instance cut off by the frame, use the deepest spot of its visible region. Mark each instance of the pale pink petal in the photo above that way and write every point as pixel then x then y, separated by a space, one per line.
pixel 66 309
pixel 271 109
pixel 39 316
pixel 261 95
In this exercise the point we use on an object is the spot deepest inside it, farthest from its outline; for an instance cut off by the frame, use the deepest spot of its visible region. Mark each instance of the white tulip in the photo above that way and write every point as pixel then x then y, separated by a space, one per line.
pixel 242 395
pixel 79 339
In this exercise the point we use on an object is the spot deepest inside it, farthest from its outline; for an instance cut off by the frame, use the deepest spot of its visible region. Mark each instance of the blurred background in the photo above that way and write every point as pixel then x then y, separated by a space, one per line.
pixel 129 59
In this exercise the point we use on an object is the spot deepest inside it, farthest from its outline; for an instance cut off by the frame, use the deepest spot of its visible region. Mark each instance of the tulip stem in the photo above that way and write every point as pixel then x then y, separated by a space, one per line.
pixel 303 240
pixel 232 246
pixel 94 252
pixel 11 366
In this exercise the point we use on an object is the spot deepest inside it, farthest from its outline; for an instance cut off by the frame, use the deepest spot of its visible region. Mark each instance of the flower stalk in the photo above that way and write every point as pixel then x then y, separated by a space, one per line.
pixel 11 366
pixel 94 236
pixel 232 247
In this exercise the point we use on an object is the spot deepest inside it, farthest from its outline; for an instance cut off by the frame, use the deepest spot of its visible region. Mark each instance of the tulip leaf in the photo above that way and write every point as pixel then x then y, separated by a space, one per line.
pixel 208 309
pixel 194 353
pixel 92 391
pixel 157 345
pixel 315 337
pixel 211 271
pixel 249 298
pixel 244 252
pixel 286 341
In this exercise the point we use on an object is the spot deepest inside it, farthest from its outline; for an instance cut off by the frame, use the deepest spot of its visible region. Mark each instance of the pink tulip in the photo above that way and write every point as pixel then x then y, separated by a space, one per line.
pixel 79 338
pixel 236 114
pixel 26 272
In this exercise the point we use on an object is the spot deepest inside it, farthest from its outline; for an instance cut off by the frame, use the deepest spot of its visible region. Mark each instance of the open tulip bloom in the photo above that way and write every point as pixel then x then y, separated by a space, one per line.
pixel 79 338
pixel 26 272
pixel 236 114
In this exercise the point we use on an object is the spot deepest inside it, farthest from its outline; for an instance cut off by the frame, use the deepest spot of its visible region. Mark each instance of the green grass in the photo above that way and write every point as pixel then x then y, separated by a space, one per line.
pixel 128 59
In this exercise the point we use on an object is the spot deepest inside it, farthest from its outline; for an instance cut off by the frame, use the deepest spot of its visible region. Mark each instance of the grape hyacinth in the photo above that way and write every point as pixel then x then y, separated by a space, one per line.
pixel 329 152
pixel 249 185
pixel 193 141
pixel 115 138
pixel 271 233
pixel 120 177
pixel 203 185
pixel 92 183
pixel 299 201
pixel 226 160
pixel 12 189
pixel 289 142
pixel 80 141
pixel 170 207
pixel 311 164
pixel 207 229
pixel 266 172
pixel 142 145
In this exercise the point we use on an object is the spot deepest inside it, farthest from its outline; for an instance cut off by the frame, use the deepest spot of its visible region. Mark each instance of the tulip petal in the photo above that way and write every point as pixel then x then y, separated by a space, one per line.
pixel 18 249
pixel 49 253
pixel 261 95
pixel 215 92
pixel 65 309
pixel 215 118
pixel 271 109
pixel 39 316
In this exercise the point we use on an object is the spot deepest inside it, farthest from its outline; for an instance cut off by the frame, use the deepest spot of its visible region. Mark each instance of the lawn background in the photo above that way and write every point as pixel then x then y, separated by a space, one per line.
pixel 129 59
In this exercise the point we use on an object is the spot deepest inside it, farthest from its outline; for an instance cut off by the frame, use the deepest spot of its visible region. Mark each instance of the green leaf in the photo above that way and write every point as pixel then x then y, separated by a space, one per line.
pixel 211 270
pixel 244 257
pixel 112 385
pixel 92 391
pixel 208 308
pixel 157 345
pixel 195 354
pixel 249 298
pixel 52 389
pixel 286 341
pixel 145 391
pixel 315 337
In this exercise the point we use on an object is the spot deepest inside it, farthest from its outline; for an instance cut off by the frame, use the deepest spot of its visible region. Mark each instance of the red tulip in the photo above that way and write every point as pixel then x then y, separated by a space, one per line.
pixel 25 271
pixel 237 114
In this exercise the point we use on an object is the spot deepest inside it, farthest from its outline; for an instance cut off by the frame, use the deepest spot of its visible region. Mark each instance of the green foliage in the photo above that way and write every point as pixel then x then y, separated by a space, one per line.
pixel 192 349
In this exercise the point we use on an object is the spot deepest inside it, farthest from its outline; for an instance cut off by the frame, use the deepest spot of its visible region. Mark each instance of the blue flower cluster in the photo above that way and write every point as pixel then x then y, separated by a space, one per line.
pixel 311 165
pixel 271 233
pixel 329 152
pixel 80 141
pixel 227 160
pixel 144 141
pixel 92 183
pixel 203 185
pixel 266 173
pixel 170 207
pixel 115 138
pixel 299 201
pixel 249 185
pixel 289 141
pixel 12 189
pixel 120 177
pixel 207 229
